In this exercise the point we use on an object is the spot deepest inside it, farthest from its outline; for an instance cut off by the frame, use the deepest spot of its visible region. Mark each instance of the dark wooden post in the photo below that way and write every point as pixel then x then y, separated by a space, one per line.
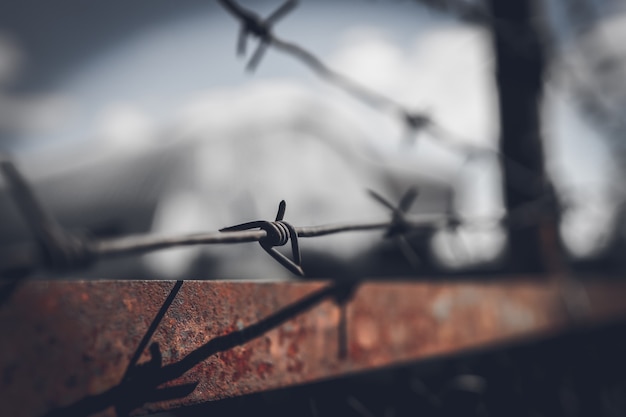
pixel 519 69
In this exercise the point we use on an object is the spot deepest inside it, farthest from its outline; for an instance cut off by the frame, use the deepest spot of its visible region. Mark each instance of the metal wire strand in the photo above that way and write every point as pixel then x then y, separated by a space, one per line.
pixel 26 259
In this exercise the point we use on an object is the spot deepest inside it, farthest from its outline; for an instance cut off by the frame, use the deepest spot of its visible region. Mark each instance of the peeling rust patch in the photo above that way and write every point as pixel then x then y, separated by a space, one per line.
pixel 264 369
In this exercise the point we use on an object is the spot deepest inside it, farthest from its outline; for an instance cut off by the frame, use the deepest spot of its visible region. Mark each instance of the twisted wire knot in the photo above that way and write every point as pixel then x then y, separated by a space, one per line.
pixel 66 251
pixel 277 233
pixel 399 225
pixel 253 24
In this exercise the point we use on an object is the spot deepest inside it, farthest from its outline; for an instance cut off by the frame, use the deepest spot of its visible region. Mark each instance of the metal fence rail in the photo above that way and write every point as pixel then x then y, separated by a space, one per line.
pixel 79 348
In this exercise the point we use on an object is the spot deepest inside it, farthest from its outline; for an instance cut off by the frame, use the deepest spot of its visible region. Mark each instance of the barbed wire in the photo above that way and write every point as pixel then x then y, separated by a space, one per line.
pixel 60 250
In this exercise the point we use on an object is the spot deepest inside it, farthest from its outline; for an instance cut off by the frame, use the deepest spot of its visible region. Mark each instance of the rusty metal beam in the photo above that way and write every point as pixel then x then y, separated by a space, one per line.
pixel 72 348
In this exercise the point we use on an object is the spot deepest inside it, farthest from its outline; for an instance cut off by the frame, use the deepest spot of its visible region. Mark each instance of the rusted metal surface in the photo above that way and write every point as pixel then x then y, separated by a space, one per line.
pixel 66 346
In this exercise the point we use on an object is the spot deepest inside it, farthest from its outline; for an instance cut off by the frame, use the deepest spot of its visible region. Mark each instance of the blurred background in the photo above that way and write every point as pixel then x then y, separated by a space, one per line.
pixel 139 118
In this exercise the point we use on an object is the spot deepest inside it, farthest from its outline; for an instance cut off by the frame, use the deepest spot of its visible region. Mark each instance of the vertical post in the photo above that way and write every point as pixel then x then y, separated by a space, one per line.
pixel 519 68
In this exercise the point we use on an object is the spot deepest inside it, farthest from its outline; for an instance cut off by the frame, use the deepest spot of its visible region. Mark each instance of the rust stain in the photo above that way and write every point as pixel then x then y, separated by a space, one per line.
pixel 264 369
pixel 238 361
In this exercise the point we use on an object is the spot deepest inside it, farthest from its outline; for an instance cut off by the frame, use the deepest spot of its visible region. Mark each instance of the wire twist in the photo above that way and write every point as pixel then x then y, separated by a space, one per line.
pixel 278 233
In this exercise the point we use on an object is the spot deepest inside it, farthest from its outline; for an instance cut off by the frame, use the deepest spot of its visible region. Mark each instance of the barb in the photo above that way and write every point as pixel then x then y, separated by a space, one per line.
pixel 399 225
pixel 252 24
pixel 278 233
